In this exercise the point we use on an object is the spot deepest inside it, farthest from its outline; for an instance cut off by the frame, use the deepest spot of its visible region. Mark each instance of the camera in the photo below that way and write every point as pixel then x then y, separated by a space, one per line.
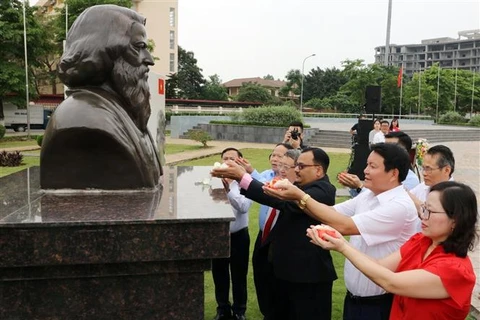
pixel 294 134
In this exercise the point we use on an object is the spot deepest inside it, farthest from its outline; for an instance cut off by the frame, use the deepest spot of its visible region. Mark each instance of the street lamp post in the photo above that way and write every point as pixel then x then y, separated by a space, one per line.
pixel 301 83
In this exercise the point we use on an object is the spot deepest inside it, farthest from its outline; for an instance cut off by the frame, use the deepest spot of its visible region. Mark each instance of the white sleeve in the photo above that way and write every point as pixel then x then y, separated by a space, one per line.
pixel 238 201
pixel 379 138
pixel 347 208
pixel 383 224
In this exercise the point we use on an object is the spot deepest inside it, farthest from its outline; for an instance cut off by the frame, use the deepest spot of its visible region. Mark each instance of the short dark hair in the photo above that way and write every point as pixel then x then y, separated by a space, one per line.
pixel 384 121
pixel 394 157
pixel 231 149
pixel 320 157
pixel 403 139
pixel 460 203
pixel 296 124
pixel 286 145
pixel 445 156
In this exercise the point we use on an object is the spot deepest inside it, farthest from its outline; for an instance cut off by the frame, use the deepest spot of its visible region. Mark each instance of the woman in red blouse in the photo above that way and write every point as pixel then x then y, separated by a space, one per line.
pixel 431 275
pixel 394 126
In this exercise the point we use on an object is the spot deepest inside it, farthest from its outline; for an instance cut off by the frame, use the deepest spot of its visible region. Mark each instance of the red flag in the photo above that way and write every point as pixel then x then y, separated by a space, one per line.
pixel 399 78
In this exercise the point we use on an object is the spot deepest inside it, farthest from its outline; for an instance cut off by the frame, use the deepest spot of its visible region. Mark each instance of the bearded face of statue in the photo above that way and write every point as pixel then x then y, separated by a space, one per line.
pixel 130 77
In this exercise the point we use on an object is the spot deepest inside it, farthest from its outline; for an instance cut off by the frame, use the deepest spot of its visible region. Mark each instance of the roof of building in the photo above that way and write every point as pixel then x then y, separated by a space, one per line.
pixel 264 82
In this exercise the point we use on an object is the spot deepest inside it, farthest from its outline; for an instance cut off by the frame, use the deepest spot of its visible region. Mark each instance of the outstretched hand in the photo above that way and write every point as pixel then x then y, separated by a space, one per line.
pixel 245 164
pixel 233 171
pixel 349 180
pixel 326 237
pixel 285 192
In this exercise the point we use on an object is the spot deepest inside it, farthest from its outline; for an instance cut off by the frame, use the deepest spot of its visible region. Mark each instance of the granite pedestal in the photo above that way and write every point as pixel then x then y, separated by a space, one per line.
pixel 122 255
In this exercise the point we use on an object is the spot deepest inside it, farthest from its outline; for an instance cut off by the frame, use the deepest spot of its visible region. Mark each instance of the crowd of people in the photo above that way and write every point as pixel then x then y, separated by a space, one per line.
pixel 408 241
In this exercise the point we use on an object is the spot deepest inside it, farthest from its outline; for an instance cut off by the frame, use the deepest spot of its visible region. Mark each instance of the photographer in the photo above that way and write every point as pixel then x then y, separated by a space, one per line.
pixel 294 135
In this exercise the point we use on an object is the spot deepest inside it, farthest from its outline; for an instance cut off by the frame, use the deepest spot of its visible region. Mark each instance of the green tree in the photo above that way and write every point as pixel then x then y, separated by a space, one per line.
pixel 268 77
pixel 214 90
pixel 76 7
pixel 294 79
pixel 253 92
pixel 323 83
pixel 12 51
pixel 188 82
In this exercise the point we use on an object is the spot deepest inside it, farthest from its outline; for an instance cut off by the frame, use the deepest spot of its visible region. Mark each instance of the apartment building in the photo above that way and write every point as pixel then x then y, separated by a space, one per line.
pixel 162 28
pixel 462 53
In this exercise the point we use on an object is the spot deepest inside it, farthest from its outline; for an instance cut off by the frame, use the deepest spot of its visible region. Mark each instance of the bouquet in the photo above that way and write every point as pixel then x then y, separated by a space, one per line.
pixel 421 148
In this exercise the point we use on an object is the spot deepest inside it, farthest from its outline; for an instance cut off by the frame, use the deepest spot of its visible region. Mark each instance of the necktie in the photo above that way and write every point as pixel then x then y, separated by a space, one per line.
pixel 268 224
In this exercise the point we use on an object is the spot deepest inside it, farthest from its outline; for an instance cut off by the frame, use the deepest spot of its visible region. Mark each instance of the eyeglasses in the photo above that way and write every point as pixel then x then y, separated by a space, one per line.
pixel 285 167
pixel 302 166
pixel 429 169
pixel 424 213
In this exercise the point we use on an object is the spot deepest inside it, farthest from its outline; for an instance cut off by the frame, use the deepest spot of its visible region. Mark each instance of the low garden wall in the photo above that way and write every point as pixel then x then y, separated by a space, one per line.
pixel 229 132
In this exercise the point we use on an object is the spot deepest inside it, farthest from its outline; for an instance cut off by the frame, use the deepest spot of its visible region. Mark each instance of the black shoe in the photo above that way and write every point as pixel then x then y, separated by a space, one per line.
pixel 239 317
pixel 223 316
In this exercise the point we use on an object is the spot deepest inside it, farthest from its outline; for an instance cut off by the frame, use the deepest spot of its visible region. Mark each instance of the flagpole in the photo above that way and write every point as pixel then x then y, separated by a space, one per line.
pixel 455 98
pixel 438 93
pixel 473 94
pixel 26 68
pixel 401 90
pixel 419 90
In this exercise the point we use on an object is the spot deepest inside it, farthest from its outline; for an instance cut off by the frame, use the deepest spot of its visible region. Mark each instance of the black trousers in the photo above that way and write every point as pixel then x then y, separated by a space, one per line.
pixel 263 278
pixel 302 301
pixel 237 265
pixel 367 308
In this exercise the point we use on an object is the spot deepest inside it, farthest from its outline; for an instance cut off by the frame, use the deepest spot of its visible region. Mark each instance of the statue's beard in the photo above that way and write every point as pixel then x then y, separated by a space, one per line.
pixel 131 83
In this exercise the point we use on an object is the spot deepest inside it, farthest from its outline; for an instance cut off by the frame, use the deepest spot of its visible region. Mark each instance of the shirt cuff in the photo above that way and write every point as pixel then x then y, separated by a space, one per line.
pixel 245 182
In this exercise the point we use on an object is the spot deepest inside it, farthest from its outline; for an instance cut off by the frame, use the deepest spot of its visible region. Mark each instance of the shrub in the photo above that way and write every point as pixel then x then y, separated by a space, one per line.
pixel 2 131
pixel 10 159
pixel 451 117
pixel 39 140
pixel 199 135
pixel 475 121
pixel 276 116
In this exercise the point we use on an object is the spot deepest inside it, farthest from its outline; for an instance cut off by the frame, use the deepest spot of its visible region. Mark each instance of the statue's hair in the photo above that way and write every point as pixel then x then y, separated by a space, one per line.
pixel 96 39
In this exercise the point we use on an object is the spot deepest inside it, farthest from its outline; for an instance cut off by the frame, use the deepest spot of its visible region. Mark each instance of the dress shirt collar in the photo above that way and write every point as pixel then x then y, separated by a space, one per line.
pixel 386 196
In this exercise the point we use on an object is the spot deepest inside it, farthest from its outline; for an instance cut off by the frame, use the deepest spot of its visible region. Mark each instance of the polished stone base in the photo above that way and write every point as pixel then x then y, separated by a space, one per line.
pixel 123 255
pixel 133 291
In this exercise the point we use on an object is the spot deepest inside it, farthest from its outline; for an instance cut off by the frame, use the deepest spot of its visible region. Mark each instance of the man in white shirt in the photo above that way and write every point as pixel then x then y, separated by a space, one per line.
pixel 438 166
pixel 380 136
pixel 379 220
pixel 237 265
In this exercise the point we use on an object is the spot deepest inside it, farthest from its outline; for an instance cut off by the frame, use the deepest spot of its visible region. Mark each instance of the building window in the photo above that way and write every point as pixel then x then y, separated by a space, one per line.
pixel 172 62
pixel 172 39
pixel 172 17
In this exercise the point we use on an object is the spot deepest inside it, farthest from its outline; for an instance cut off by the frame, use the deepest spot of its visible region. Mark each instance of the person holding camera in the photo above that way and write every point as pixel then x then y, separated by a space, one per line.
pixel 294 135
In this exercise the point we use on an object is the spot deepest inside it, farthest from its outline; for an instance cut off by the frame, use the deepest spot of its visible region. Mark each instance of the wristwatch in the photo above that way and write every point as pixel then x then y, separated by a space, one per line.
pixel 359 189
pixel 303 203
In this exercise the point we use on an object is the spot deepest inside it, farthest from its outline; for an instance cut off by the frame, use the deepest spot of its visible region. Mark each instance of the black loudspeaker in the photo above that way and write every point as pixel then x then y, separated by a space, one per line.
pixel 361 153
pixel 373 98
pixel 363 129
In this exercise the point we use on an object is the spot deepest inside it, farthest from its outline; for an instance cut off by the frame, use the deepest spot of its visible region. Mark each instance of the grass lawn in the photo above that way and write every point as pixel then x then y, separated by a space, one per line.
pixel 259 159
pixel 177 148
pixel 28 161
pixel 18 142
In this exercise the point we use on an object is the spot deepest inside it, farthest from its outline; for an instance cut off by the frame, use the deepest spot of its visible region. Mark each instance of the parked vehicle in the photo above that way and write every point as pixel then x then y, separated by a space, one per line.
pixel 16 118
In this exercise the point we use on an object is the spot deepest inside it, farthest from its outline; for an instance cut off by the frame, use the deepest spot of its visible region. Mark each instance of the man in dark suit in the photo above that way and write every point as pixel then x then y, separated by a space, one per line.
pixel 303 274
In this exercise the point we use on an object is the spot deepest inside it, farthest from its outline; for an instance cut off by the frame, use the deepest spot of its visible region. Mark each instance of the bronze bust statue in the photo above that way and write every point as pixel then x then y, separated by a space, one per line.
pixel 97 137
